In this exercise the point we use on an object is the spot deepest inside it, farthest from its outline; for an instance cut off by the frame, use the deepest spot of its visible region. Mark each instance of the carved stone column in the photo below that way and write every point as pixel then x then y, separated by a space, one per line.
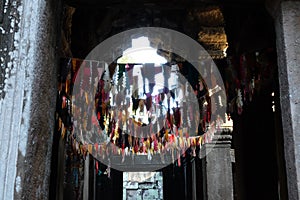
pixel 217 170
pixel 28 88
pixel 86 177
pixel 287 24
pixel 194 179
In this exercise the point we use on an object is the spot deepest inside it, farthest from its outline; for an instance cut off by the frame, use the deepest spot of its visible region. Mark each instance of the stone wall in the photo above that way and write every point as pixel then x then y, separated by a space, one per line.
pixel 28 81
pixel 142 186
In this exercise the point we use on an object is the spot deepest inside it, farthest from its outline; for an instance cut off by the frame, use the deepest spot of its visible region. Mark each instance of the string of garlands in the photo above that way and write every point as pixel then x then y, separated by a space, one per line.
pixel 111 139
pixel 153 145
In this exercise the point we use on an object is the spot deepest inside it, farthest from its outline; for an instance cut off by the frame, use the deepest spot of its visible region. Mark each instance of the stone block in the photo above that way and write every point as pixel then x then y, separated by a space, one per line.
pixel 134 195
pixel 158 176
pixel 125 184
pixel 159 184
pixel 150 194
pixel 146 185
pixel 160 194
pixel 132 185
pixel 125 176
pixel 124 194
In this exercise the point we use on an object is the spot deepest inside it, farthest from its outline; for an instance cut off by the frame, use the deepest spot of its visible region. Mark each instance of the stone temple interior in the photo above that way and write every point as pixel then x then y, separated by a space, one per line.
pixel 240 38
pixel 149 115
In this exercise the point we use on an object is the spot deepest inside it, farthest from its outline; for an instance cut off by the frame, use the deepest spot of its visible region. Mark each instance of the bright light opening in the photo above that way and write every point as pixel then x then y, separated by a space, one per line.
pixel 141 52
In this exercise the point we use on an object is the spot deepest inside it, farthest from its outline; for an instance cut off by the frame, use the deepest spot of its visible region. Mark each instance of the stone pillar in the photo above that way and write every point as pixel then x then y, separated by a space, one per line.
pixel 287 24
pixel 28 88
pixel 60 170
pixel 217 169
pixel 184 164
pixel 86 177
pixel 194 179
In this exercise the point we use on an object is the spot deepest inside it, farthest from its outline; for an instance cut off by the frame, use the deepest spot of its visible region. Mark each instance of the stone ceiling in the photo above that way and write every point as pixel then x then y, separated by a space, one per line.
pixel 204 24
pixel 245 26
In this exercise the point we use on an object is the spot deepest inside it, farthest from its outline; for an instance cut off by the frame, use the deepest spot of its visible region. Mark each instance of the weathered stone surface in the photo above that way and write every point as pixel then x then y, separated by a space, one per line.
pixel 140 176
pixel 132 185
pixel 10 103
pixel 218 170
pixel 124 194
pixel 147 185
pixel 150 194
pixel 287 26
pixel 134 195
pixel 159 184
pixel 158 177
pixel 28 106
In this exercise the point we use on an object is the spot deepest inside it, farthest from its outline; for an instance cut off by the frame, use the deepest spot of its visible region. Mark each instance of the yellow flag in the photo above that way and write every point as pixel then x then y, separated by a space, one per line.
pixel 90 148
